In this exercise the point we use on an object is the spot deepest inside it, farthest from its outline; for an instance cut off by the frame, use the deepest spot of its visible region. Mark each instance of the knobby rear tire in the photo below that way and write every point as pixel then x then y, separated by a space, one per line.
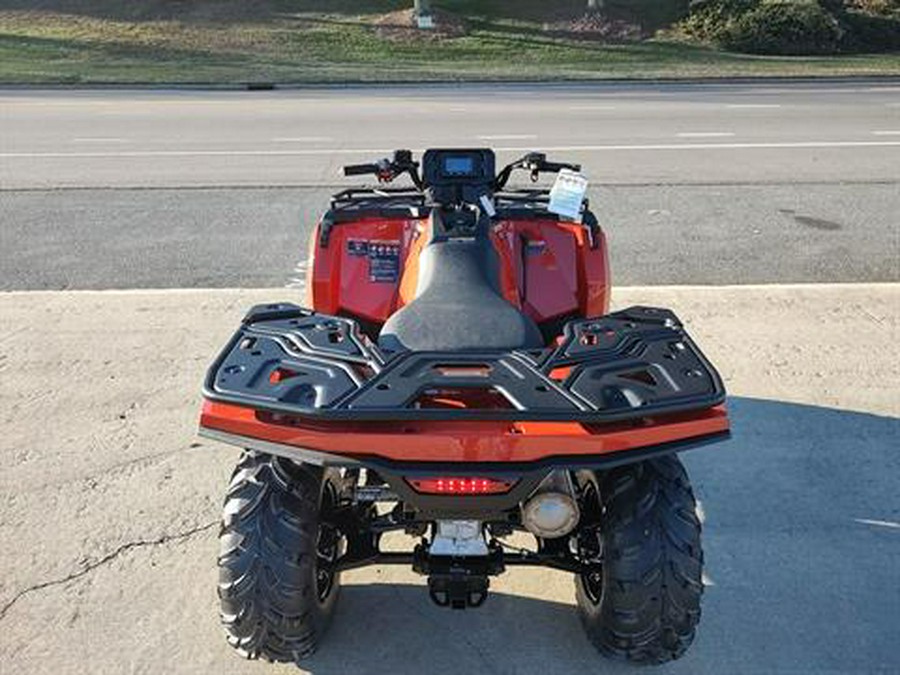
pixel 270 585
pixel 642 603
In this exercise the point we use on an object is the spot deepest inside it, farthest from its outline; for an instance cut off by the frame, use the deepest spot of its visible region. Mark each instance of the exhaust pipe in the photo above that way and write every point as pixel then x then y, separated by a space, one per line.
pixel 552 510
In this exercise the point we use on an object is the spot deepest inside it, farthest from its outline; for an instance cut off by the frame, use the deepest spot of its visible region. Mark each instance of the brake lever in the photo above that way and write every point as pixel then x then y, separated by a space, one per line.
pixel 386 171
pixel 404 163
pixel 534 161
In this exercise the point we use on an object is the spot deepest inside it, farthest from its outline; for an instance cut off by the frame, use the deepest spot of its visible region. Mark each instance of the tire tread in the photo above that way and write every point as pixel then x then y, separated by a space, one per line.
pixel 652 564
pixel 267 544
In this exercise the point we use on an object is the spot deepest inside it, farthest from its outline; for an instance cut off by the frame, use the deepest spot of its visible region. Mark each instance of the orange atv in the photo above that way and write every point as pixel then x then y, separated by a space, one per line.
pixel 456 375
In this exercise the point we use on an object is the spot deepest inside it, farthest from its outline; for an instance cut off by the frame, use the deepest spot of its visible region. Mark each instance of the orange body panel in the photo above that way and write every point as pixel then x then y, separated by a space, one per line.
pixel 461 441
pixel 549 269
pixel 339 279
pixel 409 274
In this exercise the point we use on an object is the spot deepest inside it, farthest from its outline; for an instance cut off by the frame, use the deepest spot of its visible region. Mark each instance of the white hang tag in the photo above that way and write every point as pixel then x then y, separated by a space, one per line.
pixel 567 194
pixel 488 205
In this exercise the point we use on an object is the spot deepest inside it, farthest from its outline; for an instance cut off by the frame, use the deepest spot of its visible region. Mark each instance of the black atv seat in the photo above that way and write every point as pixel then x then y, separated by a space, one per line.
pixel 458 304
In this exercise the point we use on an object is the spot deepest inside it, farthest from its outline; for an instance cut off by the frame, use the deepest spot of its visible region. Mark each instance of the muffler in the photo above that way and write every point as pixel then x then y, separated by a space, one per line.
pixel 552 510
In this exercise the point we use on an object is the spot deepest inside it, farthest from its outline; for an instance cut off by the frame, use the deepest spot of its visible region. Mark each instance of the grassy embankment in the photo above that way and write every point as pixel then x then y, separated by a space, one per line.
pixel 235 42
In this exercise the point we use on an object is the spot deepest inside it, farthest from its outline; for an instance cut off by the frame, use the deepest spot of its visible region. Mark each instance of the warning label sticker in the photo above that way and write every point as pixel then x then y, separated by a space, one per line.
pixel 357 247
pixel 384 261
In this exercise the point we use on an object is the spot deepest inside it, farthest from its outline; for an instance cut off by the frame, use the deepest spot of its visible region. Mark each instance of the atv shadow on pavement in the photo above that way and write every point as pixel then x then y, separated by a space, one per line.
pixel 801 538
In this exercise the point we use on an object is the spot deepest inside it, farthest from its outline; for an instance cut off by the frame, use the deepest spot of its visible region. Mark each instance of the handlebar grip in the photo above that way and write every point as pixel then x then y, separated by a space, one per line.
pixel 360 169
pixel 556 167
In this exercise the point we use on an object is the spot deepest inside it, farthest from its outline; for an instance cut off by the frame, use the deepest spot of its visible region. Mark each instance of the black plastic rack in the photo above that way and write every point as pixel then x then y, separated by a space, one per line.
pixel 628 364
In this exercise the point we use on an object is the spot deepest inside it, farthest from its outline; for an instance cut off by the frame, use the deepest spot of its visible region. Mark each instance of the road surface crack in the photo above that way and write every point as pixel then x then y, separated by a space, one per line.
pixel 91 566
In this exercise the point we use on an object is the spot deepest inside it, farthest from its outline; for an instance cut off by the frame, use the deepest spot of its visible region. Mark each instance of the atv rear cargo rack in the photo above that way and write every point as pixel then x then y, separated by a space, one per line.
pixel 630 364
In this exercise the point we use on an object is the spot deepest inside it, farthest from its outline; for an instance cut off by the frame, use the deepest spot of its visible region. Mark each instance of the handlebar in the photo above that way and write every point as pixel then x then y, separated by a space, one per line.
pixel 556 167
pixel 387 170
pixel 536 163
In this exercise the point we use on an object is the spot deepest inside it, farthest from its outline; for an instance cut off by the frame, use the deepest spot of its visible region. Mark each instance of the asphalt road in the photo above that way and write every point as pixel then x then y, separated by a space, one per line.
pixel 695 184
pixel 256 237
pixel 631 134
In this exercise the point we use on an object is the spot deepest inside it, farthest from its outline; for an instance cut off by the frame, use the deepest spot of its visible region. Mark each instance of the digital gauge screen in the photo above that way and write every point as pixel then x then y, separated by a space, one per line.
pixel 459 165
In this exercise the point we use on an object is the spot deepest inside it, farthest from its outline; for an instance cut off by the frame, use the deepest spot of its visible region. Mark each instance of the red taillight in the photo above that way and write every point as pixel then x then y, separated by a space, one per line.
pixel 460 485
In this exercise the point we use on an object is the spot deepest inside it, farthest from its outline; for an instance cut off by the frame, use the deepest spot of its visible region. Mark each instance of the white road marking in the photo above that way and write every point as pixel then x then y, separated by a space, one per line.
pixel 201 153
pixel 377 151
pixel 749 106
pixel 887 132
pixel 299 278
pixel 714 146
pixel 89 139
pixel 705 134
pixel 302 139
pixel 878 523
pixel 507 137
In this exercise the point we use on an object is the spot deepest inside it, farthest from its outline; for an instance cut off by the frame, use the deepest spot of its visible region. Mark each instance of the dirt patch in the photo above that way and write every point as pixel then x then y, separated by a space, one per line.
pixel 599 27
pixel 402 25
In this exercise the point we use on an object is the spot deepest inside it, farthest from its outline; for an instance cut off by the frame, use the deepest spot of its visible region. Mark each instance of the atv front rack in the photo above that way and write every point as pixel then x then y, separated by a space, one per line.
pixel 353 204
pixel 630 364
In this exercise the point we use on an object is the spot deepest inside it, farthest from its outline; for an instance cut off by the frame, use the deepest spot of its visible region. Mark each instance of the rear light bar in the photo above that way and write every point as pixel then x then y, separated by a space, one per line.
pixel 460 485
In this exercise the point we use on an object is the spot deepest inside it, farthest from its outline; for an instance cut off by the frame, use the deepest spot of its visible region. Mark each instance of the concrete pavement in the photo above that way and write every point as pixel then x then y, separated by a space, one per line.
pixel 110 502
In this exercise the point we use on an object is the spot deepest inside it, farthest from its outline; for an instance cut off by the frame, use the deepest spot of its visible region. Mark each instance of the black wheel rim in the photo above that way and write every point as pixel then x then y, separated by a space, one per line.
pixel 328 545
pixel 592 581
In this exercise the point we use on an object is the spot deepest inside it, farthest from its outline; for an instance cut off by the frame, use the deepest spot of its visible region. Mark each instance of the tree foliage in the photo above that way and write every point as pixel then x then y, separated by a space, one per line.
pixel 794 27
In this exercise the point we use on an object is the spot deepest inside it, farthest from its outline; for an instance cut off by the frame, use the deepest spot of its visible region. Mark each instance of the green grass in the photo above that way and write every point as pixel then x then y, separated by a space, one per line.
pixel 235 42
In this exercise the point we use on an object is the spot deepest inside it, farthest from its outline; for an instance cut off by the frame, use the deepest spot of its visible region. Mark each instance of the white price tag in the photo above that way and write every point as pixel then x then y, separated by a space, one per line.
pixel 567 194
pixel 488 205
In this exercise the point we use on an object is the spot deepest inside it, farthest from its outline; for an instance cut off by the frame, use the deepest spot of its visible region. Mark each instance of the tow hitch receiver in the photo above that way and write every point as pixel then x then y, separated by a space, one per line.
pixel 458 562
pixel 458 589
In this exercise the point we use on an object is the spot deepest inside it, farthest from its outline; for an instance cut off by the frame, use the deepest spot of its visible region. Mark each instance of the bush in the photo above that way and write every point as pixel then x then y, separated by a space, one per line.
pixel 711 20
pixel 870 33
pixel 796 27
pixel 792 27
